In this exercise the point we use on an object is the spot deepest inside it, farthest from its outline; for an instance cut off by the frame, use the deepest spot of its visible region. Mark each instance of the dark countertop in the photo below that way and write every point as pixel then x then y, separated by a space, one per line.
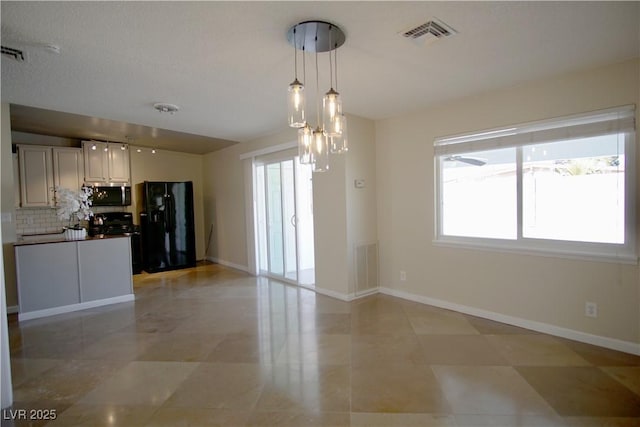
pixel 41 239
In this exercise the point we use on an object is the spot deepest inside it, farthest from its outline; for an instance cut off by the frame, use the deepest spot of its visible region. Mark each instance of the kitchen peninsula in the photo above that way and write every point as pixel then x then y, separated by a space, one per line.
pixel 57 276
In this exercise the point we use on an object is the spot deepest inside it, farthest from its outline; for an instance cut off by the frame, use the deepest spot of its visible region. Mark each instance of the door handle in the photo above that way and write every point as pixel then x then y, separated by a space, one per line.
pixel 293 220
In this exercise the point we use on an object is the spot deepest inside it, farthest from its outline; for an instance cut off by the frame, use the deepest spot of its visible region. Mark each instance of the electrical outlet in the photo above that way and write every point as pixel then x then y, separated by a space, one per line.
pixel 590 309
pixel 403 276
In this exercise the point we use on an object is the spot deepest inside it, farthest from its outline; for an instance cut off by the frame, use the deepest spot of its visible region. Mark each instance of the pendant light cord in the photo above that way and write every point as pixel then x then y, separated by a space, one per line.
pixel 317 84
pixel 330 63
pixel 336 64
pixel 295 55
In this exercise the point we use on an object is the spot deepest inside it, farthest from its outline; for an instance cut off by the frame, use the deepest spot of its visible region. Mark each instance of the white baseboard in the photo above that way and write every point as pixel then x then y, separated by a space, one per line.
pixel 228 264
pixel 12 309
pixel 329 293
pixel 365 293
pixel 74 307
pixel 611 343
pixel 340 295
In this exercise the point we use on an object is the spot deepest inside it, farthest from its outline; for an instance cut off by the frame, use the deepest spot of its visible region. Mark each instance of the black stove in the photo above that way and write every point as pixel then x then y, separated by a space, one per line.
pixel 111 224
pixel 118 224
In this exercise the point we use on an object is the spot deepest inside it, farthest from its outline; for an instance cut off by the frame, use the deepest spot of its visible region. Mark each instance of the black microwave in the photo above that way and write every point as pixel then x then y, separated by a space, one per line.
pixel 119 195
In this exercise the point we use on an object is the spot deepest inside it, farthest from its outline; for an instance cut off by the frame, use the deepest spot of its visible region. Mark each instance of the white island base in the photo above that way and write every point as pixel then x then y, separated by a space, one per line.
pixel 64 276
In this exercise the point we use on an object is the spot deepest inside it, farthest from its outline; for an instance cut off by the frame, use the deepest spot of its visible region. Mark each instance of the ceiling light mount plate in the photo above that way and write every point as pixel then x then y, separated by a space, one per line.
pixel 313 36
pixel 163 107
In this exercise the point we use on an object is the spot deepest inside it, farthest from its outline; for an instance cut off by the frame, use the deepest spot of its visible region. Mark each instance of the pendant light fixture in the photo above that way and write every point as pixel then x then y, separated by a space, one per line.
pixel 296 94
pixel 315 143
pixel 305 134
pixel 339 144
pixel 331 103
pixel 338 141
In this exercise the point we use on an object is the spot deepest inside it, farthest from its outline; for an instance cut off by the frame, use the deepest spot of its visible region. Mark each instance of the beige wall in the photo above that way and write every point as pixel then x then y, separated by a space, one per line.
pixel 331 237
pixel 224 206
pixel 7 208
pixel 170 166
pixel 361 202
pixel 543 289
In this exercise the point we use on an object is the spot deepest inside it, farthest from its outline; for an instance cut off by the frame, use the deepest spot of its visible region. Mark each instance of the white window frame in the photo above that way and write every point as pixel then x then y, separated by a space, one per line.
pixel 602 122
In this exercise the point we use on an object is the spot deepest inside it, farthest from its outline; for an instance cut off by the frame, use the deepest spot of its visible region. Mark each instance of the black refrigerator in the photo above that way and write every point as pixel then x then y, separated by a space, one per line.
pixel 167 226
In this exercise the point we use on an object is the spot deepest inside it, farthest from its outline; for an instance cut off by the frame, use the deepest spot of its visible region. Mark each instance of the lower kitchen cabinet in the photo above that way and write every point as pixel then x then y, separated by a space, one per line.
pixel 47 276
pixel 105 268
pixel 64 276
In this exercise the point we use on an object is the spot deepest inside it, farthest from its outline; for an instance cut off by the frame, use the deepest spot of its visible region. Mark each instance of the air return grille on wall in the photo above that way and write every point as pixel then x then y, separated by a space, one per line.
pixel 429 32
pixel 366 259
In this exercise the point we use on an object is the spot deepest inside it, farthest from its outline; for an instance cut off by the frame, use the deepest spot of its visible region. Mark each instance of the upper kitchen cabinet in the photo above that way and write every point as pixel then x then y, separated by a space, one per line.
pixel 106 162
pixel 68 168
pixel 41 168
pixel 119 163
pixel 36 176
pixel 96 161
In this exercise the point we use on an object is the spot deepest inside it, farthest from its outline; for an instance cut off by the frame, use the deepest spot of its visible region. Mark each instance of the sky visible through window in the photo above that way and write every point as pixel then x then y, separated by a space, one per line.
pixel 572 190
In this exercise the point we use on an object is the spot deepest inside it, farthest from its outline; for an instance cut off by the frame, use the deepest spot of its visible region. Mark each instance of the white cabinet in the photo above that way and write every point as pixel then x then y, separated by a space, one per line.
pixel 119 163
pixel 16 181
pixel 106 162
pixel 96 161
pixel 36 176
pixel 68 168
pixel 47 276
pixel 41 168
pixel 66 276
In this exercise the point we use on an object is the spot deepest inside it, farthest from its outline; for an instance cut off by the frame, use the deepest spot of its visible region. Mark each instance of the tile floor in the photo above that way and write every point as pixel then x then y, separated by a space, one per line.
pixel 212 346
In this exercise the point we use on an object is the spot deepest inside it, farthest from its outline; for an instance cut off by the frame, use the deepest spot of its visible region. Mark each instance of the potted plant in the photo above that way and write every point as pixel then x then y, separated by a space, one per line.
pixel 74 206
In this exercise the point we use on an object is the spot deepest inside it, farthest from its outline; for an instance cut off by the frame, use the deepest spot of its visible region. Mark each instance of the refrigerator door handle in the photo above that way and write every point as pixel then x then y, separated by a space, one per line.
pixel 168 212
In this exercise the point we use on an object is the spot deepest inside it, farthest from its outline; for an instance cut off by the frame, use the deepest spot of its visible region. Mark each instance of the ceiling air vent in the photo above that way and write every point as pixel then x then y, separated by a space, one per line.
pixel 16 54
pixel 429 32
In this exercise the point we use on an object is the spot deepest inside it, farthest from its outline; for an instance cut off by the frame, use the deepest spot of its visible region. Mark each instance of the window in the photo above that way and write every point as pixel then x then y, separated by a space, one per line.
pixel 560 186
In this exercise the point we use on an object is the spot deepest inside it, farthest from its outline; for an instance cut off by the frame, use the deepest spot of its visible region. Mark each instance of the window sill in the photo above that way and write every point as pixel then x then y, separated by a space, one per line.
pixel 490 246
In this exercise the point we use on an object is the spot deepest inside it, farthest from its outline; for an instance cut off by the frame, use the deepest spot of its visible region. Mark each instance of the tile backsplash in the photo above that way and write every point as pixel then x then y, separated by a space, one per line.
pixel 45 220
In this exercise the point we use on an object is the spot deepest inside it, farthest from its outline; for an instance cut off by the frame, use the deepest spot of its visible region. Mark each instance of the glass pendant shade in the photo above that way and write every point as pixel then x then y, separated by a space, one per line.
pixel 339 144
pixel 296 103
pixel 331 108
pixel 339 122
pixel 305 136
pixel 320 151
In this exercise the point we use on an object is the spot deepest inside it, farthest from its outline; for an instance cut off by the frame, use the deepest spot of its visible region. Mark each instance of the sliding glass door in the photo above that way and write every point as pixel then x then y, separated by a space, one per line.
pixel 284 213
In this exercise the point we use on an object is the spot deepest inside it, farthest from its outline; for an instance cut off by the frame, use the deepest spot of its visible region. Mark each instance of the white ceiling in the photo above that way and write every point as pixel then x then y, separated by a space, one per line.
pixel 228 64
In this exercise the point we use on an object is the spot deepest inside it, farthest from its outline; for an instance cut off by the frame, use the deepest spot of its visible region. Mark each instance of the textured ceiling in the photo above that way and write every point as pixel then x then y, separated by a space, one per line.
pixel 228 64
